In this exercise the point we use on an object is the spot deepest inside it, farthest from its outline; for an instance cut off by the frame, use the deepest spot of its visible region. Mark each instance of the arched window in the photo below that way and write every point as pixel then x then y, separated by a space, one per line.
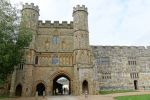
pixel 55 39
pixel 36 60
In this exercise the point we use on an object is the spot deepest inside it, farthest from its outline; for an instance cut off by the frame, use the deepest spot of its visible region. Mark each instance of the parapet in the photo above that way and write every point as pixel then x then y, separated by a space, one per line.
pixel 56 24
pixel 121 47
pixel 80 8
pixel 30 6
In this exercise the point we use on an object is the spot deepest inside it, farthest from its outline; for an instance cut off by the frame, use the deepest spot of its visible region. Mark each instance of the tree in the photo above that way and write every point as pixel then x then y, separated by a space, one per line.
pixel 13 39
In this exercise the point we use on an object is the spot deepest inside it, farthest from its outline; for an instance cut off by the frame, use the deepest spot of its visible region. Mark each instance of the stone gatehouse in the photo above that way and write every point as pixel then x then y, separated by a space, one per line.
pixel 61 49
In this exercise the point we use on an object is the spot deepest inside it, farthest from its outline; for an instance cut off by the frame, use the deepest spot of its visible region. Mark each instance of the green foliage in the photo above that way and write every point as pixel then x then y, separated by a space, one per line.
pixel 134 97
pixel 114 91
pixel 12 39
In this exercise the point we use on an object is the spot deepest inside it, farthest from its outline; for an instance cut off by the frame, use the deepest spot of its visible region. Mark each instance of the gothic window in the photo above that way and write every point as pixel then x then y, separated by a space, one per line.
pixel 132 61
pixel 55 60
pixel 55 39
pixel 21 66
pixel 36 60
pixel 134 75
pixel 106 75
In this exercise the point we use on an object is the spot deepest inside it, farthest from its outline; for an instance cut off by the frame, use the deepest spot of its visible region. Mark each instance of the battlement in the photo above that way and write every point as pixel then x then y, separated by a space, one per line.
pixel 30 6
pixel 121 47
pixel 56 24
pixel 80 8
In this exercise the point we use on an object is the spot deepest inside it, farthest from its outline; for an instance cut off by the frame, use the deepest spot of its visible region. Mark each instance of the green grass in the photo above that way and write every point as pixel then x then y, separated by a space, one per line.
pixel 114 91
pixel 3 97
pixel 134 97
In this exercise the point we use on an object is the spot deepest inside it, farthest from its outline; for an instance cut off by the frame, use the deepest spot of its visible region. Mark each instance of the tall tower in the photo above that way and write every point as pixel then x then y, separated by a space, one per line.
pixel 81 34
pixel 30 16
pixel 29 20
pixel 83 69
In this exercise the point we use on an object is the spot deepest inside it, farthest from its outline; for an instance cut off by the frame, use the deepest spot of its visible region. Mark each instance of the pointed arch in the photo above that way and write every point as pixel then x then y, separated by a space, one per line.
pixel 40 88
pixel 85 87
pixel 18 91
pixel 56 76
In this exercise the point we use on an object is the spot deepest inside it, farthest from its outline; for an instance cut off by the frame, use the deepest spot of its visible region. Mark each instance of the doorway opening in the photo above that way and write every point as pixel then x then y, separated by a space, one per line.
pixel 18 90
pixel 61 85
pixel 40 88
pixel 135 84
pixel 85 87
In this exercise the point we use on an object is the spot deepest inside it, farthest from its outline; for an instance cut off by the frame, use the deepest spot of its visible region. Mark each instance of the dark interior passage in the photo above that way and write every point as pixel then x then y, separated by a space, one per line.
pixel 18 90
pixel 135 84
pixel 85 87
pixel 40 88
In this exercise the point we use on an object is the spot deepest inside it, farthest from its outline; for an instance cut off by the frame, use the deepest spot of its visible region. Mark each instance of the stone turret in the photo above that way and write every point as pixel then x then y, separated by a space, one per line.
pixel 30 16
pixel 81 34
pixel 80 18
pixel 82 54
pixel 29 19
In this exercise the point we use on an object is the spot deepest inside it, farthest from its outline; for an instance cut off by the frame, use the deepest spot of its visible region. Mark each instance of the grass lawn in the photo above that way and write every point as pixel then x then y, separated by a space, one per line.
pixel 134 97
pixel 2 97
pixel 114 91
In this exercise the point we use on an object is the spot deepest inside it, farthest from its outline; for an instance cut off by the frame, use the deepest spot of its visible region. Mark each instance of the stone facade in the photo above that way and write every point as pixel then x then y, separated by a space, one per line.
pixel 62 49
pixel 57 49
pixel 122 67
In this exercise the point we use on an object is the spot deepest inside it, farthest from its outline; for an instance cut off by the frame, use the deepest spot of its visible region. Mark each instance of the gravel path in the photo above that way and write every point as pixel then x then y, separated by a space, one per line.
pixel 90 97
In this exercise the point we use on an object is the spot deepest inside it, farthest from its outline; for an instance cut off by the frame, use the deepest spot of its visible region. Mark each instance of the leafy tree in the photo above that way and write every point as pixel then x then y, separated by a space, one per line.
pixel 13 39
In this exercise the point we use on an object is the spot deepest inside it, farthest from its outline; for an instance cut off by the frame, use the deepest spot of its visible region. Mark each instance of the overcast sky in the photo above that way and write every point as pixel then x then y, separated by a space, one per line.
pixel 111 22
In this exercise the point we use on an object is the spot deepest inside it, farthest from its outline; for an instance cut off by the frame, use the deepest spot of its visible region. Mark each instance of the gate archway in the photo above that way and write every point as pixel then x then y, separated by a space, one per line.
pixel 18 90
pixel 40 88
pixel 85 87
pixel 59 83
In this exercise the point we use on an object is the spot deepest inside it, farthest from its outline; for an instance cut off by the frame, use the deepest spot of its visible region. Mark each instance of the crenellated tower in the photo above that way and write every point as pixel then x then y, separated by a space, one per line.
pixel 30 17
pixel 82 53
pixel 29 20
pixel 81 35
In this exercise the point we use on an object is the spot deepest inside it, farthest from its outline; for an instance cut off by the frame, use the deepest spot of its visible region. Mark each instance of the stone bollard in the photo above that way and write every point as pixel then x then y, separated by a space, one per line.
pixel 36 95
pixel 43 94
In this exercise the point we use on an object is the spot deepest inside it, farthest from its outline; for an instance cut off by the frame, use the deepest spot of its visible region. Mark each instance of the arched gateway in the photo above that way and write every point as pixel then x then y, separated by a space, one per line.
pixel 58 85
pixel 18 90
pixel 61 84
pixel 85 87
pixel 40 88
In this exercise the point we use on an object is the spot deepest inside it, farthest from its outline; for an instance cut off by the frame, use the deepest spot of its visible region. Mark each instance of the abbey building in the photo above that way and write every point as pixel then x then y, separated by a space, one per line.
pixel 61 49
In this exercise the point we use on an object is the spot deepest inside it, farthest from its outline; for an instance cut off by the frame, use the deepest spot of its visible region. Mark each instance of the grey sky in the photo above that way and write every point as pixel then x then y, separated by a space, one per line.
pixel 111 22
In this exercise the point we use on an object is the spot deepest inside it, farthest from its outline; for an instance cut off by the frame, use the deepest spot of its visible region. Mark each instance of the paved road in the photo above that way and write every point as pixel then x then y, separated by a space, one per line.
pixel 62 98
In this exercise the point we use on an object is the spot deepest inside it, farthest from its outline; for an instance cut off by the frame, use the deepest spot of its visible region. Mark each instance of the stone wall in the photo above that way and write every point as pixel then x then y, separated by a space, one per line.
pixel 119 66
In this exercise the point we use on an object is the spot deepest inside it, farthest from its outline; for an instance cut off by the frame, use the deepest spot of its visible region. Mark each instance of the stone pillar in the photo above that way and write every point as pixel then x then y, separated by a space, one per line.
pixel 36 95
pixel 13 79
